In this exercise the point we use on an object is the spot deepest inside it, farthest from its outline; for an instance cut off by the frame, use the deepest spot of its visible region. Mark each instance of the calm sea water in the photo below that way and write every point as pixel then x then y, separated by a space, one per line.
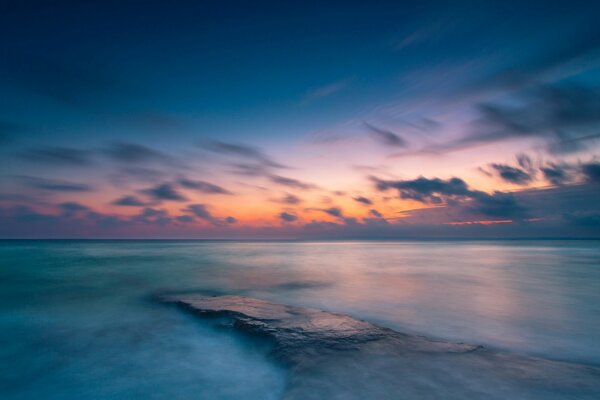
pixel 78 319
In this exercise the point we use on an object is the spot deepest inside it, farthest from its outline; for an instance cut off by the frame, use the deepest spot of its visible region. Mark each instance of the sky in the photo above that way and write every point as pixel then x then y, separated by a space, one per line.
pixel 266 120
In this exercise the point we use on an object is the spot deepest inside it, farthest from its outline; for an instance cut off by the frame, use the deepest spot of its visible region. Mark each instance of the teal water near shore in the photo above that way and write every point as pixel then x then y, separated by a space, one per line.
pixel 78 319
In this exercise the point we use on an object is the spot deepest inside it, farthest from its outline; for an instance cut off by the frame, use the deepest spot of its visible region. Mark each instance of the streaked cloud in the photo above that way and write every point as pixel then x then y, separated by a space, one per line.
pixel 164 192
pixel 203 186
pixel 323 91
pixel 56 185
pixel 59 156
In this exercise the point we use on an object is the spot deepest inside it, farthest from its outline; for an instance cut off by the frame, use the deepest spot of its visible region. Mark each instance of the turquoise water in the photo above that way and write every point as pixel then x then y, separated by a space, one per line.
pixel 79 319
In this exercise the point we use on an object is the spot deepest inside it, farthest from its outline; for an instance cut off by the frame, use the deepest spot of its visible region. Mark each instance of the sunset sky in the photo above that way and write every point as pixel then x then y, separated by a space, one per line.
pixel 249 119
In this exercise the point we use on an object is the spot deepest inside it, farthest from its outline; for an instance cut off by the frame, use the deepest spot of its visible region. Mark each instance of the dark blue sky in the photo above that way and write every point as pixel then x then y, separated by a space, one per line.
pixel 270 99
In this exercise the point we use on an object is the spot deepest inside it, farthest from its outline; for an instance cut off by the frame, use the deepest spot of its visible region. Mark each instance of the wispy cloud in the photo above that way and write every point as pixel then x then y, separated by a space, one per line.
pixel 203 186
pixel 164 192
pixel 53 184
pixel 385 136
pixel 243 151
pixel 58 156
pixel 324 91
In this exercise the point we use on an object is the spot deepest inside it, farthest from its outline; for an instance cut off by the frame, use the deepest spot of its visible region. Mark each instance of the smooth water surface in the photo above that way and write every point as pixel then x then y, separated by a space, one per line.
pixel 78 319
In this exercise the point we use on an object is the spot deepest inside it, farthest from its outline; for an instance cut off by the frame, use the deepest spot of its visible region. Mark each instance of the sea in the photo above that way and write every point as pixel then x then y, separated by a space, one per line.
pixel 82 319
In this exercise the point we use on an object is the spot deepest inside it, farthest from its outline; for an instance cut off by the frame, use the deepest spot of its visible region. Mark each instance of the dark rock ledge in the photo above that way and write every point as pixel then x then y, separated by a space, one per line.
pixel 333 356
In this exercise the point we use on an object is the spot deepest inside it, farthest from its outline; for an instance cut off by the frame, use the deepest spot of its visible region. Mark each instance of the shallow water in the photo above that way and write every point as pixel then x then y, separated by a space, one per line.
pixel 78 320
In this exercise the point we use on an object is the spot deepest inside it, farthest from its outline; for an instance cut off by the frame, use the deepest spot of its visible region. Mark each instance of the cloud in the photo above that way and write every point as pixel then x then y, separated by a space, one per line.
pixel 363 200
pixel 185 218
pixel 323 91
pixel 291 182
pixel 204 187
pixel 559 114
pixel 288 199
pixel 250 169
pixel 136 174
pixel 591 171
pixel 375 218
pixel 129 201
pixel 287 217
pixel 375 213
pixel 498 204
pixel 201 211
pixel 385 136
pixel 72 208
pixel 164 191
pixel 132 153
pixel 454 192
pixel 425 190
pixel 334 212
pixel 59 156
pixel 242 151
pixel 339 214
pixel 512 174
pixel 585 219
pixel 54 184
pixel 525 162
pixel 563 116
pixel 557 174
pixel 152 216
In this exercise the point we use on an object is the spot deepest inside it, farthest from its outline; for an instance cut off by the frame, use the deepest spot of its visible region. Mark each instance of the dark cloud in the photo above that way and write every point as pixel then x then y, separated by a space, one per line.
pixel 385 136
pixel 124 176
pixel 291 182
pixel 512 174
pixel 230 220
pixel 250 169
pixel 72 208
pixel 152 216
pixel 455 192
pixel 591 172
pixel 334 212
pixel 287 217
pixel 16 197
pixel 565 117
pixel 243 151
pixel 164 191
pixel 204 187
pixel 558 114
pixel 528 71
pixel 339 214
pixel 557 174
pixel 54 184
pixel 201 211
pixel 137 154
pixel 185 218
pixel 584 219
pixel 363 200
pixel 375 218
pixel 498 205
pixel 59 156
pixel 129 201
pixel 375 213
pixel 289 199
pixel 525 162
pixel 426 190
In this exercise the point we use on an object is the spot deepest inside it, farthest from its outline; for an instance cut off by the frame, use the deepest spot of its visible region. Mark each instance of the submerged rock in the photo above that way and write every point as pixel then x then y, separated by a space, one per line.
pixel 333 356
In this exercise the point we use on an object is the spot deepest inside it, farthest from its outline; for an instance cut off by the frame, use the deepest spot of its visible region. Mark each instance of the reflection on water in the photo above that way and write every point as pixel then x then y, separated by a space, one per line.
pixel 79 323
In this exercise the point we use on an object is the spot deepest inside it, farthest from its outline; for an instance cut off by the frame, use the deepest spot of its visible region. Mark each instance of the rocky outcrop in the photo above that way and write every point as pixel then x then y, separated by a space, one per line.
pixel 333 356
